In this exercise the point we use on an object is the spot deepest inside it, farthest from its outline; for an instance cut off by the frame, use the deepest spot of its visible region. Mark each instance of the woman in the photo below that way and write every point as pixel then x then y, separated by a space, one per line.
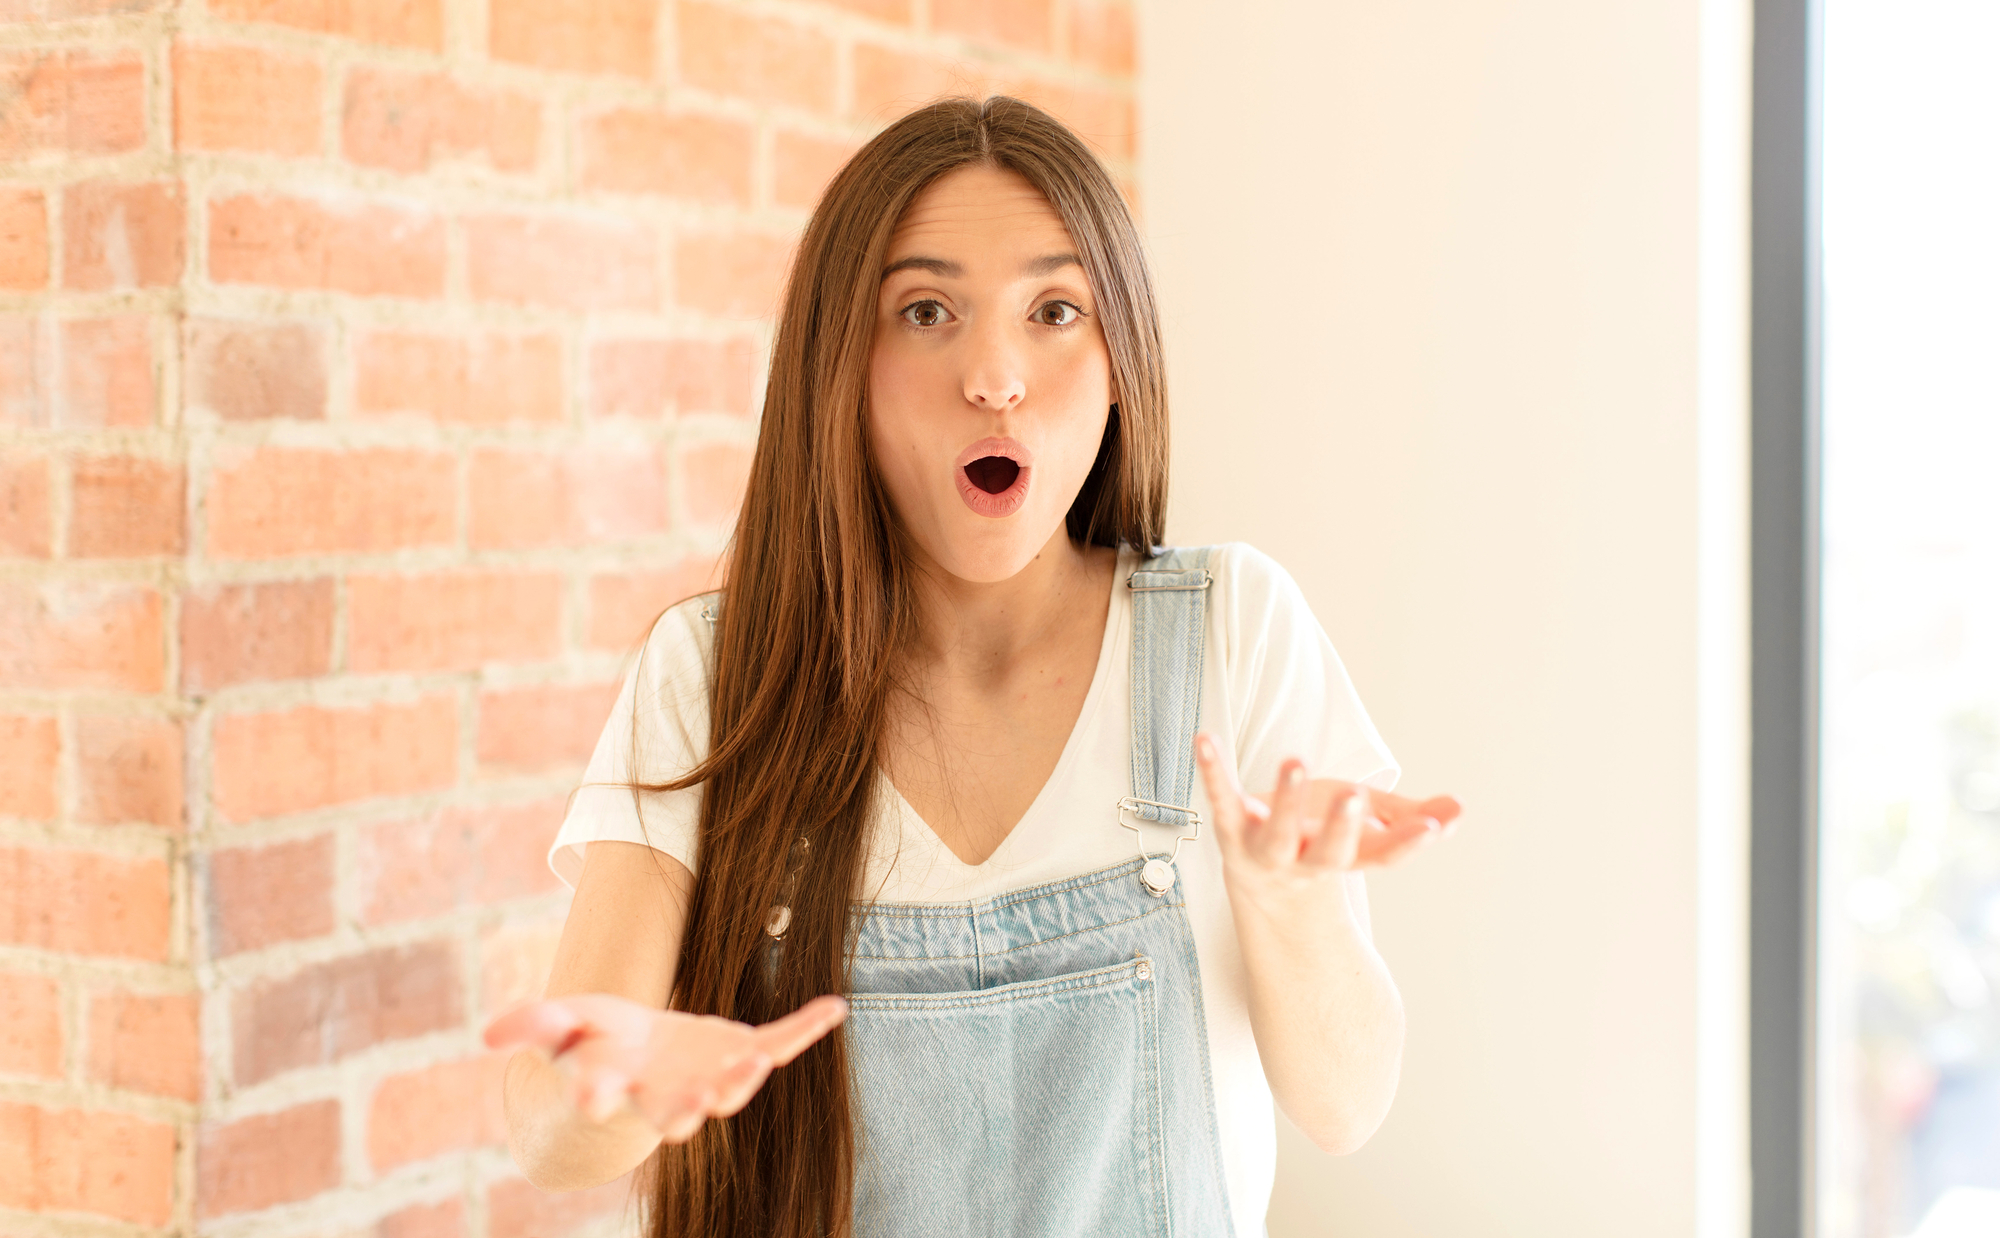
pixel 933 747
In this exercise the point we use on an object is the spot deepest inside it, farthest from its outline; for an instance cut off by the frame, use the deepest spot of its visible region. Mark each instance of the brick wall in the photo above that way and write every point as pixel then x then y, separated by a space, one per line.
pixel 370 372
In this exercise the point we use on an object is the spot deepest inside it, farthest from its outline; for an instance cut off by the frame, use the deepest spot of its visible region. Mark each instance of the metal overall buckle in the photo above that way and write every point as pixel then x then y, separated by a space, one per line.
pixel 1158 874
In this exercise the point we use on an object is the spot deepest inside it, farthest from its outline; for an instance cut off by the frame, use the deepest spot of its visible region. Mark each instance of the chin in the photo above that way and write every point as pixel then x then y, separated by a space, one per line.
pixel 991 555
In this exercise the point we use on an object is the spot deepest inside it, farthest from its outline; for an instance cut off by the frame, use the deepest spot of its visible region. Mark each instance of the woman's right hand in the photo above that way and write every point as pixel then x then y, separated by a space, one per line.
pixel 675 1069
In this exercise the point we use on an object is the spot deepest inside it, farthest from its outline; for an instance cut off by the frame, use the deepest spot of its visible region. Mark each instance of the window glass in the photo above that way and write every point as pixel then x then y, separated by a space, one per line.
pixel 1908 1095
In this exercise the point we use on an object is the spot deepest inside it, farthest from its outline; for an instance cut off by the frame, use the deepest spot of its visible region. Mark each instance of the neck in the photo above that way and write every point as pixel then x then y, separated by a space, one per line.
pixel 976 628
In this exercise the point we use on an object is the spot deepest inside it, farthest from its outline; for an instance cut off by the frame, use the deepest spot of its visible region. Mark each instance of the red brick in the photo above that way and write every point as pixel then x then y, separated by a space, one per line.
pixel 289 501
pixel 107 372
pixel 118 235
pixel 273 1158
pixel 83 902
pixel 403 23
pixel 1013 23
pixel 129 770
pixel 653 378
pixel 25 343
pixel 76 635
pixel 24 507
pixel 252 371
pixel 617 493
pixel 126 506
pixel 458 857
pixel 514 1209
pixel 519 499
pixel 889 83
pixel 233 634
pixel 593 495
pixel 483 378
pixel 803 165
pixel 563 261
pixel 369 249
pixel 544 727
pixel 896 12
pixel 324 1012
pixel 1101 36
pixel 439 1220
pixel 713 476
pixel 735 275
pixel 765 59
pixel 623 605
pixel 604 36
pixel 65 10
pixel 442 1108
pixel 310 757
pixel 452 621
pixel 24 239
pixel 258 896
pixel 29 750
pixel 410 122
pixel 31 1039
pixel 71 103
pixel 699 158
pixel 1103 118
pixel 514 963
pixel 239 97
pixel 147 1042
pixel 78 1160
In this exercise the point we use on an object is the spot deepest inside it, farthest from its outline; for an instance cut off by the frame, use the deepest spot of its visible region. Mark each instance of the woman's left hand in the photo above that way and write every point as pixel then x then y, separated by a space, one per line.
pixel 1307 829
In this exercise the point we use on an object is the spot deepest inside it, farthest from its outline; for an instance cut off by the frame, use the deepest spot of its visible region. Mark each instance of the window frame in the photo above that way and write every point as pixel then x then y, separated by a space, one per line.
pixel 1785 462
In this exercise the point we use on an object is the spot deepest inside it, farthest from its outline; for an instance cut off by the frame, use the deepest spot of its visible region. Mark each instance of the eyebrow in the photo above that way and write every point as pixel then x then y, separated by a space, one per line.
pixel 1044 265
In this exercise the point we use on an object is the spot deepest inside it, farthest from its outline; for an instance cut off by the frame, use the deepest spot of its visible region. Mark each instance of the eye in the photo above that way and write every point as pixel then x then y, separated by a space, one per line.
pixel 1057 313
pixel 925 314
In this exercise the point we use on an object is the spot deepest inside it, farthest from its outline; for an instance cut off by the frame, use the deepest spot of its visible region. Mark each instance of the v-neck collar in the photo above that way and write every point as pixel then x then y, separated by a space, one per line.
pixel 910 824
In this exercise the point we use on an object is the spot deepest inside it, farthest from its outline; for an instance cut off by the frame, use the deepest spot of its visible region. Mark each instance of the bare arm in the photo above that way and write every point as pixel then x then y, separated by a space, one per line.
pixel 1326 1015
pixel 607 1072
pixel 623 937
pixel 1325 1012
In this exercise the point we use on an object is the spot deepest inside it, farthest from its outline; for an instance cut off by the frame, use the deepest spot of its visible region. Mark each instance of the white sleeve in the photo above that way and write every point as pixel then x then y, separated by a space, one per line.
pixel 1288 693
pixel 658 730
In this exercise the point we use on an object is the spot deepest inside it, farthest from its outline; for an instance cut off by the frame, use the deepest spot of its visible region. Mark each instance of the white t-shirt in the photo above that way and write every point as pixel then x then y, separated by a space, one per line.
pixel 1273 688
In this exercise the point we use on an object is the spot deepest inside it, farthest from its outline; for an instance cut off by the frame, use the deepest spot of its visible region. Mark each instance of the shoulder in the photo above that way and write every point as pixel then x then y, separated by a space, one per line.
pixel 680 648
pixel 1247 582
pixel 1257 613
pixel 1249 572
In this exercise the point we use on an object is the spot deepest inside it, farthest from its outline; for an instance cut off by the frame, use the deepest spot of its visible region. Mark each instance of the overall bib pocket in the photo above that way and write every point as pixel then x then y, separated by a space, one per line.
pixel 1026 1109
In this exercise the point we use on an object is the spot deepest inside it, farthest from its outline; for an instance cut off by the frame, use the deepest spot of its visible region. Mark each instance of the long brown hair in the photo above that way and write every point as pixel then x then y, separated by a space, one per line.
pixel 818 608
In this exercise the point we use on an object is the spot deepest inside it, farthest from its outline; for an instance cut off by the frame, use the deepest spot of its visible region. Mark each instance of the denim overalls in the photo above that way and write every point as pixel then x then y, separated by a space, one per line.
pixel 1036 1063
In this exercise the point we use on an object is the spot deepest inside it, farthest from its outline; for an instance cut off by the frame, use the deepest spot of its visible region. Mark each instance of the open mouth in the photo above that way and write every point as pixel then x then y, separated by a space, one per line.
pixel 993 474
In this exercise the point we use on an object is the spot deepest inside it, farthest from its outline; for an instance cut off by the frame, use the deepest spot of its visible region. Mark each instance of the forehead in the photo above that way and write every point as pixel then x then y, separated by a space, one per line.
pixel 974 209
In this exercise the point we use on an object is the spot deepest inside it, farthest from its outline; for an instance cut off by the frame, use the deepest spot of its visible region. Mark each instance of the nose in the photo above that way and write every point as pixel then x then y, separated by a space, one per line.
pixel 993 379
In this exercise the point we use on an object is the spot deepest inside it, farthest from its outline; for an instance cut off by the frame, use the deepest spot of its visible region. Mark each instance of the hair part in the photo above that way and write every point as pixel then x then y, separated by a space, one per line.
pixel 819 609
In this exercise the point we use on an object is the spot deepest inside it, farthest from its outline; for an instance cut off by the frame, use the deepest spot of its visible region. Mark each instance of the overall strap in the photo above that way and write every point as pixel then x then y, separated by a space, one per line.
pixel 1169 633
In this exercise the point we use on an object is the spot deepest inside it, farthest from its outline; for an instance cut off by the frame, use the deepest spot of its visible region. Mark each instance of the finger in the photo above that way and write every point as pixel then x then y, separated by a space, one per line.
pixel 1225 794
pixel 1340 832
pixel 781 1040
pixel 540 1025
pixel 1392 807
pixel 683 1128
pixel 739 1083
pixel 1274 841
pixel 1442 808
pixel 1395 842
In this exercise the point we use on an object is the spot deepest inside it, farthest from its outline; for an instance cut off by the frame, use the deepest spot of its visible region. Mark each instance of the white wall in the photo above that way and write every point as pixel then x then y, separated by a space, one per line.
pixel 1455 295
